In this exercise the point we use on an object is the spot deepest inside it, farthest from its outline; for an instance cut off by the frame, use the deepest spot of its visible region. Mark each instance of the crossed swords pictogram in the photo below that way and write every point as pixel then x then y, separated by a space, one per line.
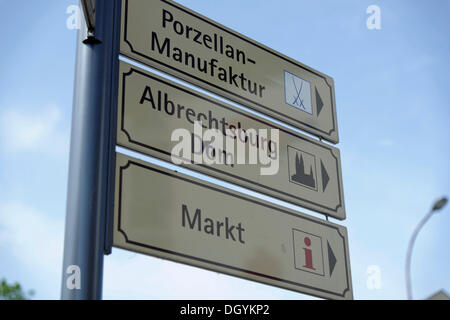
pixel 298 94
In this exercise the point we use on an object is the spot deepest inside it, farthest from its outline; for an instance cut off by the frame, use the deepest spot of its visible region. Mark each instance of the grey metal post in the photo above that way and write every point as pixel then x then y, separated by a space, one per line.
pixel 91 154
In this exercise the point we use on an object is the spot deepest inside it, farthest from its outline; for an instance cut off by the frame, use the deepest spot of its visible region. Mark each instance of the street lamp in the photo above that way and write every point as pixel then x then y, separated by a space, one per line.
pixel 438 204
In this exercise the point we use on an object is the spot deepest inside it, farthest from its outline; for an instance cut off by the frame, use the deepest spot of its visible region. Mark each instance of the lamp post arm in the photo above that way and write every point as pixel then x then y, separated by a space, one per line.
pixel 409 253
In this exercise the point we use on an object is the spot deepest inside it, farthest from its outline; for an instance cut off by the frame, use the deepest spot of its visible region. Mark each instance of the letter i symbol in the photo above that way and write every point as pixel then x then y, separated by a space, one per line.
pixel 308 255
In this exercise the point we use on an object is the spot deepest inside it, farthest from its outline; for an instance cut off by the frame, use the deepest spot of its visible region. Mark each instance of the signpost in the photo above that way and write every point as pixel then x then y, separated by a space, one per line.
pixel 151 108
pixel 91 154
pixel 113 199
pixel 177 217
pixel 174 39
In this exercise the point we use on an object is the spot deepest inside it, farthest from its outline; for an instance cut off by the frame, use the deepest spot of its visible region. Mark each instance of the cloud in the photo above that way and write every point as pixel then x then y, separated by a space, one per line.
pixel 32 243
pixel 38 131
pixel 386 142
pixel 31 236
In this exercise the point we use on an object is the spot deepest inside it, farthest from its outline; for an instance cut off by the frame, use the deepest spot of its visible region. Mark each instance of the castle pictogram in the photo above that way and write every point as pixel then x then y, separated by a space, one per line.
pixel 300 176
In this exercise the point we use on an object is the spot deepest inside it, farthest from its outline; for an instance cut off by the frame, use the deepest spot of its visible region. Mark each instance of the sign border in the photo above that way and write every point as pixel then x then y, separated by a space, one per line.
pixel 130 161
pixel 282 117
pixel 333 212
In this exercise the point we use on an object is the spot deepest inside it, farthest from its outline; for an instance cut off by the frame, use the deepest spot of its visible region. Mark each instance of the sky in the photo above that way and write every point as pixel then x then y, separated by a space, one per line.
pixel 392 99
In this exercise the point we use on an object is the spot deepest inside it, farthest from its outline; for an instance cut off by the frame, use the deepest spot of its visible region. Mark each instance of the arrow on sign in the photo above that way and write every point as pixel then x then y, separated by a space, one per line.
pixel 325 177
pixel 319 102
pixel 331 259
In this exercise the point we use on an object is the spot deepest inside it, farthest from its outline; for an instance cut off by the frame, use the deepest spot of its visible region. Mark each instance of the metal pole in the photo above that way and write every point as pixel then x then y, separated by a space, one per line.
pixel 409 253
pixel 91 151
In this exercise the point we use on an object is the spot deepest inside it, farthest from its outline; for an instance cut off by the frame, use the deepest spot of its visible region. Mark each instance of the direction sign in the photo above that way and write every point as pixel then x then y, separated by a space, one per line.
pixel 151 108
pixel 174 39
pixel 177 217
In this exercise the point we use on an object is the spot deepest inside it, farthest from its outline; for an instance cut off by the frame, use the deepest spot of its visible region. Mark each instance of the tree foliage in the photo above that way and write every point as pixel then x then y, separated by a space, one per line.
pixel 13 291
